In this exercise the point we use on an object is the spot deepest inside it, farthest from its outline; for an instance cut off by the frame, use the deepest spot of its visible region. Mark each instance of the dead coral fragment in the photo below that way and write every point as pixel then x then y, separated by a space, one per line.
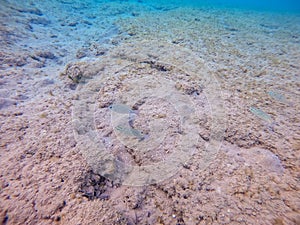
pixel 73 72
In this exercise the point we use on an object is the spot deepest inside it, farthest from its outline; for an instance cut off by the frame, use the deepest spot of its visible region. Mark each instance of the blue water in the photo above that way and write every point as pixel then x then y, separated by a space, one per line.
pixel 260 5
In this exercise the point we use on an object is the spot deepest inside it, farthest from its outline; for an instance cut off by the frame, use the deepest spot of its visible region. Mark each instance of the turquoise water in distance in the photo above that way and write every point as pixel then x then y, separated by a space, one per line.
pixel 260 5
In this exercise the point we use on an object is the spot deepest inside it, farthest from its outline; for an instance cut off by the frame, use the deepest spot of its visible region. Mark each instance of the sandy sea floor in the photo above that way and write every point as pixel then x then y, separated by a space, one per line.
pixel 214 103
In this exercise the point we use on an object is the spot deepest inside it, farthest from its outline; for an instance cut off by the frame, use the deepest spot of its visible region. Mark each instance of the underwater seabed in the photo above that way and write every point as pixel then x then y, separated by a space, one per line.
pixel 149 112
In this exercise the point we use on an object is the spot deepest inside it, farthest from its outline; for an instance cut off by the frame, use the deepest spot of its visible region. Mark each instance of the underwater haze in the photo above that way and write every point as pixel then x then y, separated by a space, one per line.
pixel 263 5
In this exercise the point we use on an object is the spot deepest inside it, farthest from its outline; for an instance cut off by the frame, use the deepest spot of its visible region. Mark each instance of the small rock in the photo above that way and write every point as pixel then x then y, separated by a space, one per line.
pixel 38 64
pixel 53 36
pixel 80 53
pixel 104 196
pixel 20 62
pixel 21 97
pixel 46 82
pixel 87 22
pixel 40 21
pixel 34 11
pixel 46 54
pixel 72 24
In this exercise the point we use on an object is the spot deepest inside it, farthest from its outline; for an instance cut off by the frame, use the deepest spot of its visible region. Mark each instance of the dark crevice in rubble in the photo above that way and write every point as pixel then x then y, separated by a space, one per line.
pixel 158 66
pixel 95 186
